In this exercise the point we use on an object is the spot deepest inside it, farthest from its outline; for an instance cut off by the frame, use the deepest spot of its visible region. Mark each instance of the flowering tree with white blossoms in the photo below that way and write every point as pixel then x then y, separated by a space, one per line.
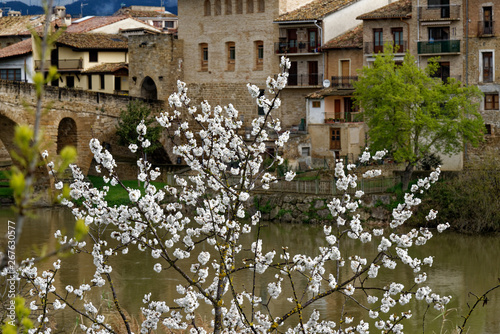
pixel 207 211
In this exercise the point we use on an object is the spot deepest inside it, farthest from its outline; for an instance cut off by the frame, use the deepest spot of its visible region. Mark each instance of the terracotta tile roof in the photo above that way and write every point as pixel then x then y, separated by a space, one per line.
pixel 94 41
pixel 144 13
pixel 315 10
pixel 352 39
pixel 17 49
pixel 106 68
pixel 94 22
pixel 19 25
pixel 399 9
pixel 331 91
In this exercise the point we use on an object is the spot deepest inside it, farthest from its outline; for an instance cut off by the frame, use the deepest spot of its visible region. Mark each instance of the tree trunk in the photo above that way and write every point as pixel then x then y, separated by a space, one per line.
pixel 407 176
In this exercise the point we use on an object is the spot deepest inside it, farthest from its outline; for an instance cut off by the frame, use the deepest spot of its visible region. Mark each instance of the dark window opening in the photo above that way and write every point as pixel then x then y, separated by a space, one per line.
pixel 378 40
pixel 439 34
pixel 487 66
pixel 93 58
pixel 102 81
pixel 70 81
pixel 118 83
pixel 261 109
pixel 89 81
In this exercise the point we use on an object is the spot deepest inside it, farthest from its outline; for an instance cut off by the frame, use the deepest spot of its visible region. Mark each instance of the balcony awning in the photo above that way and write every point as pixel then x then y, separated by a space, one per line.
pixel 436 23
pixel 325 92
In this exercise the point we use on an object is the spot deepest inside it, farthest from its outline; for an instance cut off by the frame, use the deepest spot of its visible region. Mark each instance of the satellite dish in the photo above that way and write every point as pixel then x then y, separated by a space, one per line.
pixel 326 83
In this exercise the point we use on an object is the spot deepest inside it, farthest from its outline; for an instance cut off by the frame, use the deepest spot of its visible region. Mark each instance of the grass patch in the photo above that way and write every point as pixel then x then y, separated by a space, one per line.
pixel 117 195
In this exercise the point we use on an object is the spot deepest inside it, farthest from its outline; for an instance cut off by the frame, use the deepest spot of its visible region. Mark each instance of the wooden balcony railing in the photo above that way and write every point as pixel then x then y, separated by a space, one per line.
pixel 62 64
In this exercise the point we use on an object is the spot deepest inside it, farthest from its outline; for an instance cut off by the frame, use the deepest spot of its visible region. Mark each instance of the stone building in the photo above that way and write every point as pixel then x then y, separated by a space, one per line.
pixel 333 121
pixel 482 57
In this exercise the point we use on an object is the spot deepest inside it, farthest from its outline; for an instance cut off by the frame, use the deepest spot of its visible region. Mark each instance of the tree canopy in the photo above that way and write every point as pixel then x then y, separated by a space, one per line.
pixel 411 114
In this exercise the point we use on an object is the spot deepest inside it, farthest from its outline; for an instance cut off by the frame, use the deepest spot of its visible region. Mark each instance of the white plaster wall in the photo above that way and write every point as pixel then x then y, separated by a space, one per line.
pixel 345 19
pixel 20 62
pixel 315 115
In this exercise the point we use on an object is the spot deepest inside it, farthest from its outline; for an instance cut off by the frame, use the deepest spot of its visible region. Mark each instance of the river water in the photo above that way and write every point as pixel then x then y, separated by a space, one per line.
pixel 462 264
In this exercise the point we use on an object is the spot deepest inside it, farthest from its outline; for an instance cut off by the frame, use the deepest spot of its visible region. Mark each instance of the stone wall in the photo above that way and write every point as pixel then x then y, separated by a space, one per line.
pixel 297 208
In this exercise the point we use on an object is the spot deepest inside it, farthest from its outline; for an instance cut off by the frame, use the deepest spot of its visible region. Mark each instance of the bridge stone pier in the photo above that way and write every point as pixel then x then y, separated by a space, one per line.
pixel 70 117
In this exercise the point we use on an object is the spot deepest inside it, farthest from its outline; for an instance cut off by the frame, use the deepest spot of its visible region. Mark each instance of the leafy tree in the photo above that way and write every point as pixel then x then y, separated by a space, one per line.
pixel 411 113
pixel 130 118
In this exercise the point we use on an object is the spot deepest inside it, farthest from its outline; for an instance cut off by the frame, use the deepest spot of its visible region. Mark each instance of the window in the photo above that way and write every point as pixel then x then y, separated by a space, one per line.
pixel 169 24
pixel 487 66
pixel 93 58
pixel 378 40
pixel 158 24
pixel 229 7
pixel 231 55
pixel 487 21
pixel 262 6
pixel 208 9
pixel 491 101
pixel 89 81
pixel 102 81
pixel 249 6
pixel 13 74
pixel 442 5
pixel 217 10
pixel 313 39
pixel 397 35
pixel 118 84
pixel 335 139
pixel 313 73
pixel 293 74
pixel 443 71
pixel 70 81
pixel 261 110
pixel 259 55
pixel 239 6
pixel 204 56
pixel 306 151
pixel 439 34
pixel 488 129
pixel 316 104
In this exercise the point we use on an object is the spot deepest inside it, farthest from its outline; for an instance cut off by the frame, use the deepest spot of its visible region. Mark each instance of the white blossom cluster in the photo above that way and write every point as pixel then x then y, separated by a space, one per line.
pixel 204 218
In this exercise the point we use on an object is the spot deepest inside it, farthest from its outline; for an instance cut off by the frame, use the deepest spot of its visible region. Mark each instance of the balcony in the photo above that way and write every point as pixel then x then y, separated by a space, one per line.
pixel 371 48
pixel 485 28
pixel 296 47
pixel 62 64
pixel 301 80
pixel 342 117
pixel 439 12
pixel 435 47
pixel 343 82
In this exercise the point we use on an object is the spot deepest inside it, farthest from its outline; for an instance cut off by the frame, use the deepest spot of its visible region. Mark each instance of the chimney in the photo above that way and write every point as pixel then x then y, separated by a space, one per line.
pixel 67 20
pixel 60 12
pixel 1 13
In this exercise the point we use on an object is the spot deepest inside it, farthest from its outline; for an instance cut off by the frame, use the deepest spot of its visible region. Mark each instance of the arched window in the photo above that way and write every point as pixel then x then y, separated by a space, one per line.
pixel 249 6
pixel 239 6
pixel 208 9
pixel 262 6
pixel 217 7
pixel 229 7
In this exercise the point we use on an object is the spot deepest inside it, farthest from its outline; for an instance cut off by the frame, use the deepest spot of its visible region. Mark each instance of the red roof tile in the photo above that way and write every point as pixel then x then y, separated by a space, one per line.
pixel 93 41
pixel 399 9
pixel 19 25
pixel 315 10
pixel 352 39
pixel 17 49
pixel 107 68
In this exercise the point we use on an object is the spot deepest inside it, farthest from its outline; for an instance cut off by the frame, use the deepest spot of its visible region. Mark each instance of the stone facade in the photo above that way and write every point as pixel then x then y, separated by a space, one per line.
pixel 156 62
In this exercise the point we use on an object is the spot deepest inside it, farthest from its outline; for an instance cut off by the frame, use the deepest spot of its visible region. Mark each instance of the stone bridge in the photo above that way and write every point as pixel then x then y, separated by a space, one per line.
pixel 70 117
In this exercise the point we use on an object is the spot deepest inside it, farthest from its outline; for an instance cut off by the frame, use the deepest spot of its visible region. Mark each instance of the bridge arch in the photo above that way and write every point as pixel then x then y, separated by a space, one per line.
pixel 148 89
pixel 67 134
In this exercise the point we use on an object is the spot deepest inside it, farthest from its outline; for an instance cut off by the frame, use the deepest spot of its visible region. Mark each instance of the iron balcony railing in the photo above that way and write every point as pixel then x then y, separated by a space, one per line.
pixel 448 46
pixel 294 46
pixel 341 117
pixel 400 47
pixel 485 28
pixel 343 82
pixel 62 64
pixel 311 79
pixel 439 12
